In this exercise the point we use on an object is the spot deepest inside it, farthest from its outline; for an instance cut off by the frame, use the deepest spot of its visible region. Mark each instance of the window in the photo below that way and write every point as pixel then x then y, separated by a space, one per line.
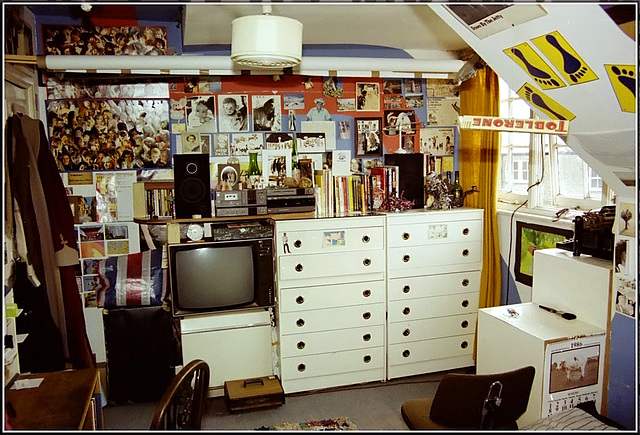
pixel 525 159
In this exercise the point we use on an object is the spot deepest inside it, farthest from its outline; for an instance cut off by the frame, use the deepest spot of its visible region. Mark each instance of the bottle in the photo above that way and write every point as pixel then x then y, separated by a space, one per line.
pixel 457 190
pixel 449 183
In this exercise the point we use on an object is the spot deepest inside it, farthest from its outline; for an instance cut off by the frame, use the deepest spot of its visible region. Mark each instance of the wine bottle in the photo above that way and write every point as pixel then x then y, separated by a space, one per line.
pixel 457 189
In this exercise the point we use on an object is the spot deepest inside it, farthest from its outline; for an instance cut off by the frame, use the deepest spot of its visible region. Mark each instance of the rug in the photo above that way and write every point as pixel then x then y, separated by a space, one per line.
pixel 340 423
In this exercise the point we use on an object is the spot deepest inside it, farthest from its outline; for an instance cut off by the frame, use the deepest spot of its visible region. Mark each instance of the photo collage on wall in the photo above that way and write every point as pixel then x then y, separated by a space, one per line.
pixel 625 296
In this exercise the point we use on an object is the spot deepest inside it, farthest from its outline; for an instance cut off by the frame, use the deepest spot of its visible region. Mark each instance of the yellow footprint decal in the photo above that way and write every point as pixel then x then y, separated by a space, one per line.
pixel 564 58
pixel 623 79
pixel 546 104
pixel 535 66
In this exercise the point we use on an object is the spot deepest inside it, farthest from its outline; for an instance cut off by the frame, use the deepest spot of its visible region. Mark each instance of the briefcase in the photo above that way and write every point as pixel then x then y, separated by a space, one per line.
pixel 247 394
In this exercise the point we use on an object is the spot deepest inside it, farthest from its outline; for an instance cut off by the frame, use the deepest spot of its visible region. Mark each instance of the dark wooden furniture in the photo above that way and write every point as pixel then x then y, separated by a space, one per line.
pixel 184 401
pixel 66 400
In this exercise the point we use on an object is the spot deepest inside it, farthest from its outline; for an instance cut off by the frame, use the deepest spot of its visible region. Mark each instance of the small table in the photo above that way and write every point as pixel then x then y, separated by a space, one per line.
pixel 68 399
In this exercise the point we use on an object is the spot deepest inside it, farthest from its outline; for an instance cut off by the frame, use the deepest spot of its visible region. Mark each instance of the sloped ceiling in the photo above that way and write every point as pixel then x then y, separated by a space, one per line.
pixel 602 133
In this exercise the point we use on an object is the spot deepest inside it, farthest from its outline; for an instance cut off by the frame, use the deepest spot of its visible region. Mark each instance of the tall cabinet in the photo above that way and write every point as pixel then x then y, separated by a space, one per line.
pixel 434 262
pixel 331 301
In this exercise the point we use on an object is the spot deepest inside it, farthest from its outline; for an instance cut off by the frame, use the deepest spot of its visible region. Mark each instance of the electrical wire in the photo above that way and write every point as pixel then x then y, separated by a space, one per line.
pixel 511 222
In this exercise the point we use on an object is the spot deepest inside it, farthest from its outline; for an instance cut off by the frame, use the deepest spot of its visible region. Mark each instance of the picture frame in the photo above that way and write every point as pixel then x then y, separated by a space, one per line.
pixel 529 238
pixel 368 137
pixel 276 164
pixel 228 176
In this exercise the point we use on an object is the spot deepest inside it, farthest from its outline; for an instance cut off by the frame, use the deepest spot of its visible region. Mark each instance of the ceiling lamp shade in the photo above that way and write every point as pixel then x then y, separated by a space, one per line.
pixel 266 41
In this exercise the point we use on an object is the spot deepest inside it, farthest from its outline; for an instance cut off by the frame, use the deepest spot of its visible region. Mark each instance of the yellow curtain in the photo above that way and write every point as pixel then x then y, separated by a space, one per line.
pixel 479 156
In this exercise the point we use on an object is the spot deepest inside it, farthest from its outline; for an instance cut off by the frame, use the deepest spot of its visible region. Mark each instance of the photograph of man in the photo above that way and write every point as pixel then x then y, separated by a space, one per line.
pixel 319 113
pixel 233 113
pixel 266 113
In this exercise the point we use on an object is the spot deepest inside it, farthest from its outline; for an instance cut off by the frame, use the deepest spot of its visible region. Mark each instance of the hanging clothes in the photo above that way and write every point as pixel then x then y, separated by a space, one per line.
pixel 50 237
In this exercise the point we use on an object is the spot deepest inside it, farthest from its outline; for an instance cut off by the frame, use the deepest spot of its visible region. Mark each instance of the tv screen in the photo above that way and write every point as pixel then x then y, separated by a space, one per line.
pixel 212 277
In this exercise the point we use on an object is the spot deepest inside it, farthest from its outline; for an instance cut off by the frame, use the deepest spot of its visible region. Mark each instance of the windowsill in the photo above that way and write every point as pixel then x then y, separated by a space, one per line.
pixel 540 212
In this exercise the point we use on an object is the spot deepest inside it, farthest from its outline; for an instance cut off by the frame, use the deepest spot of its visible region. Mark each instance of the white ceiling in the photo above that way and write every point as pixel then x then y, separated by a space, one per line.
pixel 414 28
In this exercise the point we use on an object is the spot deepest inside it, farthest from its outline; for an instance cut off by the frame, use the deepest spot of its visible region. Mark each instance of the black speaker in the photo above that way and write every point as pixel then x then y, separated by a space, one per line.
pixel 192 187
pixel 410 177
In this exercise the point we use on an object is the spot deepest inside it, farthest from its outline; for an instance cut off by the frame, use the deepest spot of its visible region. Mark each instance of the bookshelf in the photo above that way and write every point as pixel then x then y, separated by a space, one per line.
pixel 153 199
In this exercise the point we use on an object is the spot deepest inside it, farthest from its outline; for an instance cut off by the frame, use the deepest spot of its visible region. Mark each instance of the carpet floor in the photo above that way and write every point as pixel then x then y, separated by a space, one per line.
pixel 373 407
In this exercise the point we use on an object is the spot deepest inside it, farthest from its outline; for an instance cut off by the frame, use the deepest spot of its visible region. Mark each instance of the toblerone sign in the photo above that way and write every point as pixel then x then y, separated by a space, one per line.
pixel 512 124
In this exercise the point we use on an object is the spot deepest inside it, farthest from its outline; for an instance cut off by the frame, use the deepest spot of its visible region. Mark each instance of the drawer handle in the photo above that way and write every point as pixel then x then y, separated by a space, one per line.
pixel 366 262
pixel 366 337
pixel 300 322
pixel 301 367
pixel 465 282
pixel 464 344
pixel 406 332
pixel 366 316
pixel 406 310
pixel 367 359
pixel 465 303
pixel 301 345
pixel 406 289
pixel 464 324
pixel 299 267
pixel 465 231
pixel 406 258
pixel 299 300
pixel 297 243
pixel 366 239
pixel 406 353
pixel 366 293
pixel 406 236
pixel 465 253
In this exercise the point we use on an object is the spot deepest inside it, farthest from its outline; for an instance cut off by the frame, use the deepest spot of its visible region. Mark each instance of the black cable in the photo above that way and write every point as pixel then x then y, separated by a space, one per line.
pixel 511 223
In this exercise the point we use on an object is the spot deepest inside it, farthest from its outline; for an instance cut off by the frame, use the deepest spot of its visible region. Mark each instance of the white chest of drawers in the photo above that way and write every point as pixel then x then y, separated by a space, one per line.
pixel 331 301
pixel 434 262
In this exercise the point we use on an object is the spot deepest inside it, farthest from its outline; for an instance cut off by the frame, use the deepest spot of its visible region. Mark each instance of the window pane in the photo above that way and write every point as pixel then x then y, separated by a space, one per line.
pixel 522 139
pixel 504 183
pixel 520 109
pixel 520 172
pixel 570 173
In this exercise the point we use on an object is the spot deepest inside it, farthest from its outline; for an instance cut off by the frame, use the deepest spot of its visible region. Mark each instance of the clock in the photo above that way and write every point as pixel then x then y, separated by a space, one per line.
pixel 195 232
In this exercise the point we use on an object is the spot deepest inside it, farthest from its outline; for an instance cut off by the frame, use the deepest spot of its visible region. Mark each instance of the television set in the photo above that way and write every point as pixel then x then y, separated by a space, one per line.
pixel 212 276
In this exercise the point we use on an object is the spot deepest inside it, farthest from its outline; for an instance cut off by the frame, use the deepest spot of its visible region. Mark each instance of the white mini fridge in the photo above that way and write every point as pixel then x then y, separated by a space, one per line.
pixel 569 355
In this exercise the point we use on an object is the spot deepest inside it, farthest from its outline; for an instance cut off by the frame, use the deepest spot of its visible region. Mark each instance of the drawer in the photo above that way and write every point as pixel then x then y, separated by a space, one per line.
pixel 433 285
pixel 408 353
pixel 332 363
pixel 419 260
pixel 329 296
pixel 333 380
pixel 434 233
pixel 428 329
pixel 437 306
pixel 340 264
pixel 330 239
pixel 331 341
pixel 302 322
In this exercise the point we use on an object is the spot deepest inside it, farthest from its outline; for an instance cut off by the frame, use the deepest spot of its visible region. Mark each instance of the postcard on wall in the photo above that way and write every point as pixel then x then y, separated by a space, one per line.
pixel 221 144
pixel 393 101
pixel 332 86
pixel 326 127
pixel 242 143
pixel 311 142
pixel 345 129
pixel 437 141
pixel 191 142
pixel 367 97
pixel 267 113
pixel 625 302
pixel 620 256
pixel 201 113
pixel 346 104
pixel 442 88
pixel 414 101
pixel 443 111
pixel 412 86
pixel 233 113
pixel 627 219
pixel 293 101
pixel 278 141
pixel 391 86
pixel 341 162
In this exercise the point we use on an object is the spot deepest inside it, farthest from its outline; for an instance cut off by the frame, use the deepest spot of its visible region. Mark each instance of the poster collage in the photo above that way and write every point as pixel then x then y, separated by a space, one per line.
pixel 107 133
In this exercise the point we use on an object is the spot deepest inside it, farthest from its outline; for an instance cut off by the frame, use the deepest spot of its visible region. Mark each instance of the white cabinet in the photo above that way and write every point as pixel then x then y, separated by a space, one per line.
pixel 331 301
pixel 569 355
pixel 236 345
pixel 434 262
